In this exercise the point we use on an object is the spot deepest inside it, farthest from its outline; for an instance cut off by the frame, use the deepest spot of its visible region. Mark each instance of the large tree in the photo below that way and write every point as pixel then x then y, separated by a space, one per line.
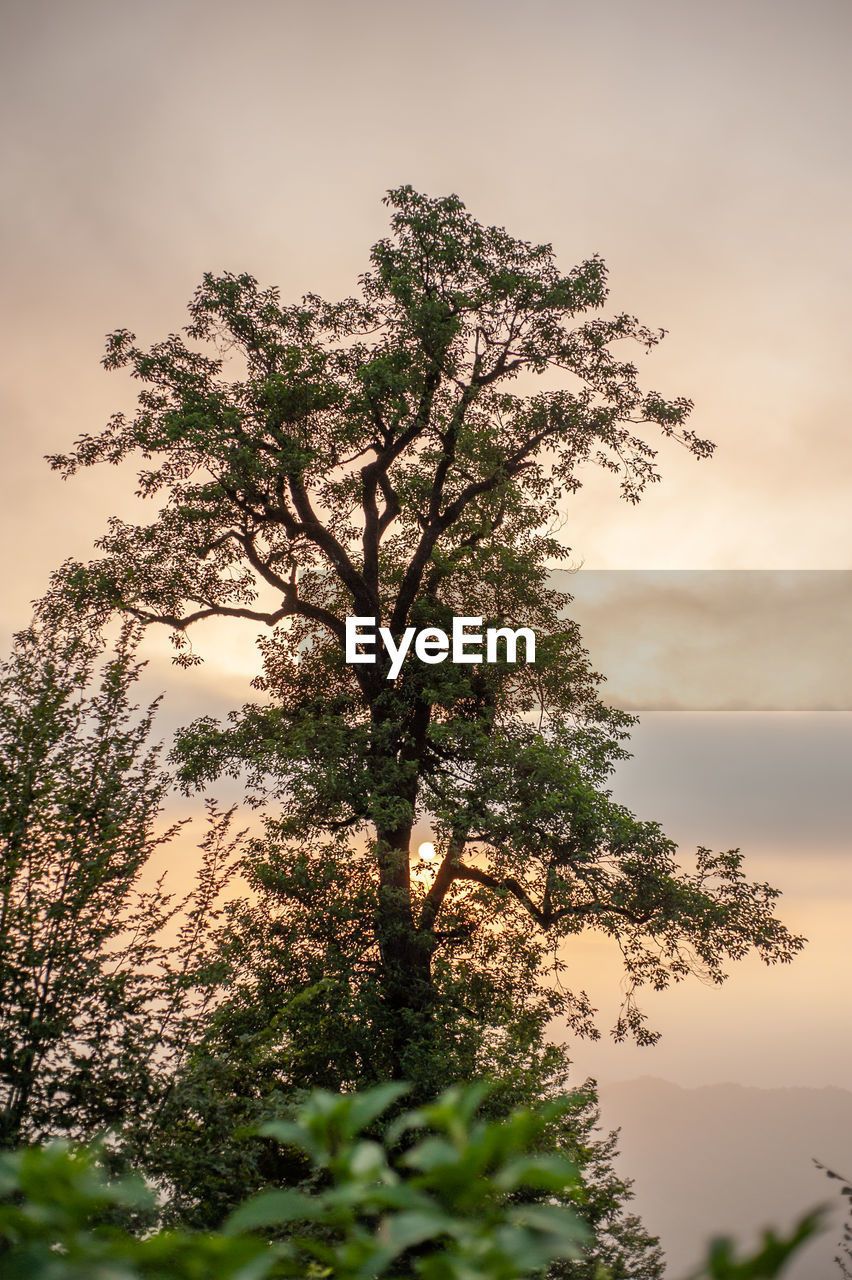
pixel 389 456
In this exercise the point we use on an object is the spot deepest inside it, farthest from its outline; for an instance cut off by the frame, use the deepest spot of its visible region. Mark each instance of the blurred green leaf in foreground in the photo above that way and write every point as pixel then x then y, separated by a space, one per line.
pixel 443 1195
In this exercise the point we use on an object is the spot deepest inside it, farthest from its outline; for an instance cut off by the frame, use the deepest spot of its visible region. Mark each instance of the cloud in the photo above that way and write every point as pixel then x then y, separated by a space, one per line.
pixel 773 783
pixel 718 640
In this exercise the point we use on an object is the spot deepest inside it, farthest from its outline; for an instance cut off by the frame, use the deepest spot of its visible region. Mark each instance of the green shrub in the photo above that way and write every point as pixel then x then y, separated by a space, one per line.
pixel 442 1196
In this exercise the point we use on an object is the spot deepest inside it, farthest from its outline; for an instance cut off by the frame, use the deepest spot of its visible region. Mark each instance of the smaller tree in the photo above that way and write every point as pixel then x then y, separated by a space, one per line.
pixel 92 1006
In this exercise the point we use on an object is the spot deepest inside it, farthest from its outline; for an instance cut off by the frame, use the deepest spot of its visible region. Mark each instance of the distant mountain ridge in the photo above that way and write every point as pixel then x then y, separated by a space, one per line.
pixel 730 1159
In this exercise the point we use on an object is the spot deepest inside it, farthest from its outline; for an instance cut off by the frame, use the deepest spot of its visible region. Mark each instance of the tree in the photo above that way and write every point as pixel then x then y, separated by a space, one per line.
pixel 374 458
pixel 95 1009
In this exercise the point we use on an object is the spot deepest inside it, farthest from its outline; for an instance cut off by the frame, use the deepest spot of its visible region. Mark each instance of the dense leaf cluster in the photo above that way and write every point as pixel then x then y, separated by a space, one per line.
pixel 462 1199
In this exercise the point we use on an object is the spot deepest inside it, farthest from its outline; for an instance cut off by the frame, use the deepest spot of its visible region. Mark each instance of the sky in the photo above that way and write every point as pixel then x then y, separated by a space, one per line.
pixel 703 151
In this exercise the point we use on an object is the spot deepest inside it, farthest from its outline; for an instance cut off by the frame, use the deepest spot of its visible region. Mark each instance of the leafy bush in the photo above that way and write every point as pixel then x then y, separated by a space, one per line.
pixel 451 1204
pixel 442 1196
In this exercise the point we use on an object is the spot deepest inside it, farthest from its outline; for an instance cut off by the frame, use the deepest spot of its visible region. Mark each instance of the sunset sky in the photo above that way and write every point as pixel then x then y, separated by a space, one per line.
pixel 704 151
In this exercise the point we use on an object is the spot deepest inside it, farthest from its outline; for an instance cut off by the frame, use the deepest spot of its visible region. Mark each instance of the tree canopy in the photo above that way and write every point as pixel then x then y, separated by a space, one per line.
pixel 392 456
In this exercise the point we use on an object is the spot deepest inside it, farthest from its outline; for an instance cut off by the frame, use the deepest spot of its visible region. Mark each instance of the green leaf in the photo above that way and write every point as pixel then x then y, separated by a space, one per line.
pixel 270 1209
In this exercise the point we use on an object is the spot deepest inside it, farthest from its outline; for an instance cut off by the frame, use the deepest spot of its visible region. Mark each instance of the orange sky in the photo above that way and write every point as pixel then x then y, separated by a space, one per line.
pixel 703 150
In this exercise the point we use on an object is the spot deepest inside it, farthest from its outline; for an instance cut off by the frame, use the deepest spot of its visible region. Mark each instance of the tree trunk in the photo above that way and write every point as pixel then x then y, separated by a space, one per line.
pixel 406 956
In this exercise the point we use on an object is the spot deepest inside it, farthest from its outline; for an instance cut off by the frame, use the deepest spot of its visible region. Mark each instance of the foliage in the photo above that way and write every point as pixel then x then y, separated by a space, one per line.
pixel 768 1261
pixel 374 458
pixel 55 1224
pixel 463 1184
pixel 443 1208
pixel 844 1257
pixel 442 1196
pixel 92 998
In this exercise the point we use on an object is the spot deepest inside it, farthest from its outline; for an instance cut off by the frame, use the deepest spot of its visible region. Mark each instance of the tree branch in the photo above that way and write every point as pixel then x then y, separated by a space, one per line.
pixel 544 915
